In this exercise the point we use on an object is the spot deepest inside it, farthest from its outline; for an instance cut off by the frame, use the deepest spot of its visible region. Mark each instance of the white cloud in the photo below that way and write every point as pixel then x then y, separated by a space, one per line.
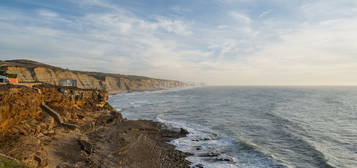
pixel 173 26
pixel 122 42
pixel 240 17
pixel 47 13
pixel 222 26
pixel 265 13
pixel 180 9
pixel 317 48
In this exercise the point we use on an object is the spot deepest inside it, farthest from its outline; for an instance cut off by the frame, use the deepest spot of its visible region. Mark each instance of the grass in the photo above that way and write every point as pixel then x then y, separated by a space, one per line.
pixel 6 163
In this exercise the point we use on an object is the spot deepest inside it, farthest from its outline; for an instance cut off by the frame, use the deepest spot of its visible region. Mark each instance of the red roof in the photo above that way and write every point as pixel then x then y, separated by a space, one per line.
pixel 12 80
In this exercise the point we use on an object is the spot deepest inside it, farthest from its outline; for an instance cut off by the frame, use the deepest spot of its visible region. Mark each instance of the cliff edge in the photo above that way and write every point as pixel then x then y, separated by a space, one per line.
pixel 49 126
pixel 32 71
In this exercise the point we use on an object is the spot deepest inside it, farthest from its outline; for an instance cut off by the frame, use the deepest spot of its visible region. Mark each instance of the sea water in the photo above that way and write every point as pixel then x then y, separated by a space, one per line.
pixel 255 127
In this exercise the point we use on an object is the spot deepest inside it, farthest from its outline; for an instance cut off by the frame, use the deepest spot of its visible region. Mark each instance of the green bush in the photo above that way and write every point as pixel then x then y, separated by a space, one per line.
pixel 11 75
pixel 2 72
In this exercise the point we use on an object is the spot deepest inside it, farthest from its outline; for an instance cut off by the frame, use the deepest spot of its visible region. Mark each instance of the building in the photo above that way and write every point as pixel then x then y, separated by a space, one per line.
pixel 68 82
pixel 7 77
pixel 3 79
pixel 12 78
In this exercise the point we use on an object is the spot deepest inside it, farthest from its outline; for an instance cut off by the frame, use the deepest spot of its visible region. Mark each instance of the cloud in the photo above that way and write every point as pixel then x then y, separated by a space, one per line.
pixel 47 13
pixel 173 26
pixel 242 47
pixel 121 42
pixel 264 13
pixel 180 9
pixel 240 17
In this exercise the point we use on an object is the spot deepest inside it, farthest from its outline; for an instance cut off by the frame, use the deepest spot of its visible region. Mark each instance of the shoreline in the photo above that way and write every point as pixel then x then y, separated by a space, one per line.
pixel 100 136
pixel 128 143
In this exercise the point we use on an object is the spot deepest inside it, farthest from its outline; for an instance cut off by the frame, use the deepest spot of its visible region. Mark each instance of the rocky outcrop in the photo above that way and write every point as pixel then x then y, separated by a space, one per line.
pixel 30 71
pixel 48 126
pixel 23 121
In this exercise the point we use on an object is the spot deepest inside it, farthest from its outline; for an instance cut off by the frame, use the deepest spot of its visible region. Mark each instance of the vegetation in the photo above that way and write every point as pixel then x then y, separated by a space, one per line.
pixel 6 163
pixel 26 64
pixel 11 75
pixel 3 73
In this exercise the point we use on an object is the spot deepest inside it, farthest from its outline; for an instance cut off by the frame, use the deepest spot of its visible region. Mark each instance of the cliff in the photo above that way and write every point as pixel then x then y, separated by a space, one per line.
pixel 31 71
pixel 58 127
pixel 24 124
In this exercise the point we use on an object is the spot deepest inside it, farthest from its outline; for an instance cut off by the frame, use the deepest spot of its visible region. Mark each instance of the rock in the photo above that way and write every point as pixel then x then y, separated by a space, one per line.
pixel 26 123
pixel 210 154
pixel 40 161
pixel 86 146
pixel 201 139
pixel 224 159
pixel 198 166
pixel 184 132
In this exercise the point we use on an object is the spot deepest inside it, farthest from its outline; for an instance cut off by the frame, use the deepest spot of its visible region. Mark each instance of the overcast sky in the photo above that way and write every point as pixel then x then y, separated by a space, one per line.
pixel 220 42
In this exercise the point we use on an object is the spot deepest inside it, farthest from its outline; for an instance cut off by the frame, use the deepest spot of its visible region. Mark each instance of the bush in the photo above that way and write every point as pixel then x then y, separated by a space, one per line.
pixel 11 75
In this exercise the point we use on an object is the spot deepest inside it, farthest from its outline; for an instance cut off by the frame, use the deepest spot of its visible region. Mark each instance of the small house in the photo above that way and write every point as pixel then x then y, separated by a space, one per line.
pixel 7 77
pixel 3 79
pixel 12 78
pixel 68 82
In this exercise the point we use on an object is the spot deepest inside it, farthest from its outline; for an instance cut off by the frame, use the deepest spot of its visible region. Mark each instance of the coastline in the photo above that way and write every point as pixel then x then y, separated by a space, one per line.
pixel 127 143
pixel 101 136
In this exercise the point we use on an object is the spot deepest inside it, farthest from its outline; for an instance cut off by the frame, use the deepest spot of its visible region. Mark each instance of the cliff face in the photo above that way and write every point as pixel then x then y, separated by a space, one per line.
pixel 24 123
pixel 21 112
pixel 30 71
pixel 49 126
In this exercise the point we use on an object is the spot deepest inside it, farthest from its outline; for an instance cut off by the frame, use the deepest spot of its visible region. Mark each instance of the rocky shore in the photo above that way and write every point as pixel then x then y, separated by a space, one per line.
pixel 64 127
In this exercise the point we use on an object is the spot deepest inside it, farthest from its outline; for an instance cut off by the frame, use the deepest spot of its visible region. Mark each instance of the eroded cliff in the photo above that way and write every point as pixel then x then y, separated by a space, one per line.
pixel 24 123
pixel 31 71
pixel 34 131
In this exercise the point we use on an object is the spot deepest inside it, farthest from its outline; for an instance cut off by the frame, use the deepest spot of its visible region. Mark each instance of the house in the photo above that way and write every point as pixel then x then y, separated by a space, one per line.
pixel 3 79
pixel 68 82
pixel 7 77
pixel 12 78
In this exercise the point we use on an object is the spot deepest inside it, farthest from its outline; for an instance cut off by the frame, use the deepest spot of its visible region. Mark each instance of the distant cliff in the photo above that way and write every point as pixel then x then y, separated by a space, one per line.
pixel 31 71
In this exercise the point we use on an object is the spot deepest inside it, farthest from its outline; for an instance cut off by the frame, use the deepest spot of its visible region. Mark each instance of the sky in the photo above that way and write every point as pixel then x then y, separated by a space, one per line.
pixel 219 42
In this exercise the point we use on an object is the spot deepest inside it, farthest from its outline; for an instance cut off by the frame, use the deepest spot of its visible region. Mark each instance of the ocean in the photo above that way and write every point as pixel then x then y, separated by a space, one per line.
pixel 255 127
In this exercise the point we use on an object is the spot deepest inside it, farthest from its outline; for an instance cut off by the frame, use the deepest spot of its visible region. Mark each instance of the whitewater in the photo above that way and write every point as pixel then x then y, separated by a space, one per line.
pixel 255 127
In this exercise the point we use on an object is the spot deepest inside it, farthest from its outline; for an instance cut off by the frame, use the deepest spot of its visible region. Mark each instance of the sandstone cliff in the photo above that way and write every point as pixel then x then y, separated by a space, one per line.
pixel 23 122
pixel 34 132
pixel 30 71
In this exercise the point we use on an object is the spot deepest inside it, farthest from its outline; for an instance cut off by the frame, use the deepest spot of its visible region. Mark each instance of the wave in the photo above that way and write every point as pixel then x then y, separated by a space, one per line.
pixel 298 144
pixel 154 91
pixel 242 132
pixel 212 150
